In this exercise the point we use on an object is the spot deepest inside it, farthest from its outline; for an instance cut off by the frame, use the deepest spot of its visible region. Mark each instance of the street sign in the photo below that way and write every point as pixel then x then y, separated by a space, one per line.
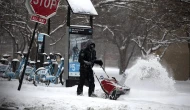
pixel 40 37
pixel 38 19
pixel 44 8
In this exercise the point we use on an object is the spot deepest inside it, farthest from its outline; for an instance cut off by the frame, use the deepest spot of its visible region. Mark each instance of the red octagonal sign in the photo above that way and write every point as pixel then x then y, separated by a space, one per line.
pixel 45 8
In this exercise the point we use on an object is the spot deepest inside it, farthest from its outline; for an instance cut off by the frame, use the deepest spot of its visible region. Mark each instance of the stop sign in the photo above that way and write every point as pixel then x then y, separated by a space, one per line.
pixel 44 8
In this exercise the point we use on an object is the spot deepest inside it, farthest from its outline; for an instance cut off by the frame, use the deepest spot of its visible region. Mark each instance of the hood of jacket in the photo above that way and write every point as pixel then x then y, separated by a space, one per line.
pixel 89 43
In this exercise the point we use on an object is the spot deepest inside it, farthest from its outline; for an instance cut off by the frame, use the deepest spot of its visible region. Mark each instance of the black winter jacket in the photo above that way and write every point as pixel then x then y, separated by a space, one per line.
pixel 86 55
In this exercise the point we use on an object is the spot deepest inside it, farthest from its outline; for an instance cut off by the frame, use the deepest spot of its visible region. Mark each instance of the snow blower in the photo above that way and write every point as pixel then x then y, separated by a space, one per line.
pixel 113 88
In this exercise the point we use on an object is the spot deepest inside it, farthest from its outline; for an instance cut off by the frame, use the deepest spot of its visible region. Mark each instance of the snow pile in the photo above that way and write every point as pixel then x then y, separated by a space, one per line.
pixel 82 7
pixel 149 74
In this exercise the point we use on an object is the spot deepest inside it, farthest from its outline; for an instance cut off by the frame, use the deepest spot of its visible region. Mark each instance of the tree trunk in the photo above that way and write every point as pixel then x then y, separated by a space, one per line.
pixel 189 52
pixel 104 55
pixel 122 61
pixel 14 47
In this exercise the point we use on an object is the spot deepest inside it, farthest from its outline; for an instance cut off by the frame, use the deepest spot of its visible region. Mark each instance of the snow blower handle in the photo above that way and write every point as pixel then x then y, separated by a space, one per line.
pixel 104 71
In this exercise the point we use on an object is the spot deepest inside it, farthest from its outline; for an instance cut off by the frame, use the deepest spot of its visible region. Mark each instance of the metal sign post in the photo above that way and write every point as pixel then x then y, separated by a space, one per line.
pixel 22 75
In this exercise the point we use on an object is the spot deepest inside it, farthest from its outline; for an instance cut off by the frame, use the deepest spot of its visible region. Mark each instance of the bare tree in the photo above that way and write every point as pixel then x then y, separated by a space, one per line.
pixel 150 24
pixel 122 27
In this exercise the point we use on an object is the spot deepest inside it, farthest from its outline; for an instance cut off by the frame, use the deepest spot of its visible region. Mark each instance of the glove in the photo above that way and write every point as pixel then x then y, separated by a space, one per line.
pixel 99 62
pixel 87 63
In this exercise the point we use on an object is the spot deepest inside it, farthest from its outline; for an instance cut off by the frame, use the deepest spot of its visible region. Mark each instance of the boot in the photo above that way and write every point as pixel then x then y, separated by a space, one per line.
pixel 93 95
pixel 79 94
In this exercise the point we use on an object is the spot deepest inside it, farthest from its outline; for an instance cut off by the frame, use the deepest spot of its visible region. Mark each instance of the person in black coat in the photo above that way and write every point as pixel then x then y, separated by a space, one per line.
pixel 87 58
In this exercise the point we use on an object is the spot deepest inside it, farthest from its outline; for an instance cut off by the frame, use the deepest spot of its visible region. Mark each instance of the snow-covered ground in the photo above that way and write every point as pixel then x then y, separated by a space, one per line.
pixel 151 89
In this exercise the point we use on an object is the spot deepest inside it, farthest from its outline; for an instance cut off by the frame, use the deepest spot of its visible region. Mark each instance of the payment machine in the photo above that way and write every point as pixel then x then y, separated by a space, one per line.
pixel 40 50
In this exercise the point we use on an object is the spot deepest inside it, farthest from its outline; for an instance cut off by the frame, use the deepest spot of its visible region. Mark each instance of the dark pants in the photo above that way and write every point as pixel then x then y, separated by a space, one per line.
pixel 86 74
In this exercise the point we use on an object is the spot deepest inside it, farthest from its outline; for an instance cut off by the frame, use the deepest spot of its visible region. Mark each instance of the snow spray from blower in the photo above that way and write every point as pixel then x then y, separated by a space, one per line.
pixel 149 74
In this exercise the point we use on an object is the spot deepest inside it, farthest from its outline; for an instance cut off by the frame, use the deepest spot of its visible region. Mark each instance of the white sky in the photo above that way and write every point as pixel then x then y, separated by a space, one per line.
pixel 151 89
pixel 82 7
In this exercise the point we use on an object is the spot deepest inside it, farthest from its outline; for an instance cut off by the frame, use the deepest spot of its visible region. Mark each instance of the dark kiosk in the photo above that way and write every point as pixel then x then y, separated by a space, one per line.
pixel 77 37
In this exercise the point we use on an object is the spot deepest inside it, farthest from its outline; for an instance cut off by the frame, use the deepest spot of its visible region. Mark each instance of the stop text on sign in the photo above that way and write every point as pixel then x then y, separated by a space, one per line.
pixel 44 8
pixel 45 3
